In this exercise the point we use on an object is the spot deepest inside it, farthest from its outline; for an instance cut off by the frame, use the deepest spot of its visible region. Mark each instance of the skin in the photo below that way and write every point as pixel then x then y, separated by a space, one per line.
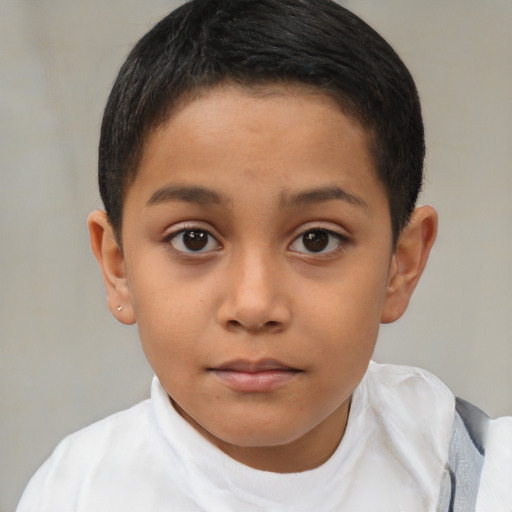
pixel 258 340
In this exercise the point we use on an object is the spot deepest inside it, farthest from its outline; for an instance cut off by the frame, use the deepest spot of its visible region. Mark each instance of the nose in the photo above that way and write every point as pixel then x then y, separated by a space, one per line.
pixel 255 298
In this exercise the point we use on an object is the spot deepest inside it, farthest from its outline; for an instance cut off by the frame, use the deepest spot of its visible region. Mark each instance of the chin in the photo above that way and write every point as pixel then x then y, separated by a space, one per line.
pixel 256 435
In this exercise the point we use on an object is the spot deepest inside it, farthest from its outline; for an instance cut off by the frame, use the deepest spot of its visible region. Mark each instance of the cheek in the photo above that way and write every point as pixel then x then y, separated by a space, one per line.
pixel 175 308
pixel 347 302
pixel 344 318
pixel 171 323
pixel 165 295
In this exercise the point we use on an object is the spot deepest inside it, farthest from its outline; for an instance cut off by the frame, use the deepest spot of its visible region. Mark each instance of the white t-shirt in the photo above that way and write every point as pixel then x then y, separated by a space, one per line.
pixel 399 453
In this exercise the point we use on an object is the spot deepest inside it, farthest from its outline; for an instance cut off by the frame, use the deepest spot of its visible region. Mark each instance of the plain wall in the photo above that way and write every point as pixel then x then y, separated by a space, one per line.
pixel 65 362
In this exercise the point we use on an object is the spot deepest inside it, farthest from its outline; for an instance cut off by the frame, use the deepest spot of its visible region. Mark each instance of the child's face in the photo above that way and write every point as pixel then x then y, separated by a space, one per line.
pixel 257 246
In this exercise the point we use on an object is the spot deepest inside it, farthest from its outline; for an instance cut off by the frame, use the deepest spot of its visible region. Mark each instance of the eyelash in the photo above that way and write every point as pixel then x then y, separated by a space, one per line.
pixel 175 239
pixel 323 235
pixel 327 236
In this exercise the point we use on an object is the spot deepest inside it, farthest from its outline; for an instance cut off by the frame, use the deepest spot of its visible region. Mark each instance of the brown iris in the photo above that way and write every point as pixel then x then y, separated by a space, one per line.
pixel 316 240
pixel 195 239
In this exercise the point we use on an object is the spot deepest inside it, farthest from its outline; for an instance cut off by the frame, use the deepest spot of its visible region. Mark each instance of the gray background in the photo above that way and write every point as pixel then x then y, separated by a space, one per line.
pixel 65 362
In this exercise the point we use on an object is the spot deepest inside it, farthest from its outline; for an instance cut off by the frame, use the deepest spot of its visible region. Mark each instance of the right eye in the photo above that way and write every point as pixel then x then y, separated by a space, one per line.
pixel 194 240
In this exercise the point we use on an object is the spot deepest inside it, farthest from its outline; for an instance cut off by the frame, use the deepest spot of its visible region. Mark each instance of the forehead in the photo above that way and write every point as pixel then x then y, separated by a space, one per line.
pixel 290 137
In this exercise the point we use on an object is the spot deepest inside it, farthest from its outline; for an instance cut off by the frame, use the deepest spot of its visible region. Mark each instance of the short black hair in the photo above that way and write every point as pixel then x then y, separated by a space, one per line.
pixel 317 43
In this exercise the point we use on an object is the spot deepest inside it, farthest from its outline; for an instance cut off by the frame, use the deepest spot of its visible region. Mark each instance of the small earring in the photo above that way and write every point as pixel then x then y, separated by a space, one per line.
pixel 119 308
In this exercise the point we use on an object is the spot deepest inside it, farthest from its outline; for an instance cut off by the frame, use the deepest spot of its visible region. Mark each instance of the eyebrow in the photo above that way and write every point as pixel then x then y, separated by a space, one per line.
pixel 320 195
pixel 206 196
pixel 189 194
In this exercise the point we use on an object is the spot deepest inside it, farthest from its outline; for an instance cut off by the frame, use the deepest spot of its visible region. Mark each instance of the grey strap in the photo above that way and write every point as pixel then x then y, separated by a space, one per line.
pixel 461 479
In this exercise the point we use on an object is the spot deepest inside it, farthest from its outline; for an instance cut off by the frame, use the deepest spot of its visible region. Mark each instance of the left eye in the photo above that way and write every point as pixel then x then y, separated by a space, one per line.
pixel 317 241
pixel 194 240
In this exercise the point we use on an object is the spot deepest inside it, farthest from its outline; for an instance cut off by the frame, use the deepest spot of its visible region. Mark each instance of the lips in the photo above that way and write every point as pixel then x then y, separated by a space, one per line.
pixel 255 376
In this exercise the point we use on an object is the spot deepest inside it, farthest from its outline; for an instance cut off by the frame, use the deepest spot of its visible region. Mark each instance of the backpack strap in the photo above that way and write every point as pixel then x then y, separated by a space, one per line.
pixel 466 456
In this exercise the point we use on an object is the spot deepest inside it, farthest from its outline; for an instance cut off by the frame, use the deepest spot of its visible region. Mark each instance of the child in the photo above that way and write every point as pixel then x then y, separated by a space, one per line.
pixel 259 164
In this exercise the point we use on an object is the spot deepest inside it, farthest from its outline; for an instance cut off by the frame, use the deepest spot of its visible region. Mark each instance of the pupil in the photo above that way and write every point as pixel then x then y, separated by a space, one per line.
pixel 315 241
pixel 195 240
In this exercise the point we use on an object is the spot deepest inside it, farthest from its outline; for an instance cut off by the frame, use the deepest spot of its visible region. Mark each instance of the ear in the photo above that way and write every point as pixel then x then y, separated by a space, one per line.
pixel 111 261
pixel 409 260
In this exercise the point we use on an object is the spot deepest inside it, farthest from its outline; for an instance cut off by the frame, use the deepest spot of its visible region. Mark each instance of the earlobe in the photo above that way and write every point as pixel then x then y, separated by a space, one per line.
pixel 409 261
pixel 111 261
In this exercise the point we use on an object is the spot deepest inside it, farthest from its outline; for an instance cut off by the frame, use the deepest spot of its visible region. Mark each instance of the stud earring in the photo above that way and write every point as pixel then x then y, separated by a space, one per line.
pixel 119 308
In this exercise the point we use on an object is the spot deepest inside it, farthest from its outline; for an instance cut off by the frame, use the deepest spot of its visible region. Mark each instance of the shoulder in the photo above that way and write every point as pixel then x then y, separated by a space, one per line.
pixel 476 451
pixel 113 431
pixel 495 491
pixel 412 405
pixel 80 456
pixel 412 388
pixel 415 411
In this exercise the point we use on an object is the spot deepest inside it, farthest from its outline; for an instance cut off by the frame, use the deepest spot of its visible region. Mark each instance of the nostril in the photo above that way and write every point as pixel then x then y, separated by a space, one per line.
pixel 234 323
pixel 271 325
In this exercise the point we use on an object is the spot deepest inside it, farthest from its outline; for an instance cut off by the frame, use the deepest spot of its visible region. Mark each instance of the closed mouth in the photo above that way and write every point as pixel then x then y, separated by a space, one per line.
pixel 262 376
pixel 246 366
